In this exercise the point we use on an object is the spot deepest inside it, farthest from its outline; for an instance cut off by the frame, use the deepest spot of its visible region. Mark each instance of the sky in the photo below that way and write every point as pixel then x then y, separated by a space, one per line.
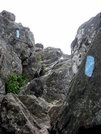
pixel 53 22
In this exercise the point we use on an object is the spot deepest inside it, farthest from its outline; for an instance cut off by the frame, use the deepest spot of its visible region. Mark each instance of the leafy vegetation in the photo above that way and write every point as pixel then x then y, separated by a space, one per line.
pixel 44 68
pixel 39 58
pixel 14 83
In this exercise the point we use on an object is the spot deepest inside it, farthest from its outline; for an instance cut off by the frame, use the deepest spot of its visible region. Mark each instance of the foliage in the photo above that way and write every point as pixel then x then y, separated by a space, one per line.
pixel 39 58
pixel 44 68
pixel 14 83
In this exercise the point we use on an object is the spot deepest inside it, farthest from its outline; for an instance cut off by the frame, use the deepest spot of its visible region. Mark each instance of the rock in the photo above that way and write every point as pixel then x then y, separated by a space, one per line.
pixel 40 106
pixel 2 84
pixel 38 47
pixel 18 117
pixel 49 74
pixel 9 63
pixel 41 61
pixel 81 110
pixel 8 15
pixel 35 87
pixel 56 73
pixel 20 38
pixel 32 67
pixel 49 54
pixel 85 36
pixel 16 45
pixel 56 80
pixel 53 111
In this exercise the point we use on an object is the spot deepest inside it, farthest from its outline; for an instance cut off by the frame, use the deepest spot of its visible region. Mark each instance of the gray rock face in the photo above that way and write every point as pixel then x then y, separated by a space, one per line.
pixel 85 36
pixel 8 15
pixel 22 118
pixel 48 71
pixel 49 54
pixel 16 45
pixel 57 80
pixel 38 47
pixel 54 70
pixel 35 87
pixel 81 110
pixel 32 67
pixel 19 37
pixel 9 61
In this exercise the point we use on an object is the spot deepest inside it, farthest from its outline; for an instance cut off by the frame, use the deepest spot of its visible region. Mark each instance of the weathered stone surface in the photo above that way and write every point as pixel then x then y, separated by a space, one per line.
pixel 38 47
pixel 35 87
pixel 24 115
pixel 56 73
pixel 53 111
pixel 13 116
pixel 23 45
pixel 13 50
pixel 57 80
pixel 8 15
pixel 48 71
pixel 9 61
pixel 49 54
pixel 32 67
pixel 85 36
pixel 38 106
pixel 2 84
pixel 81 110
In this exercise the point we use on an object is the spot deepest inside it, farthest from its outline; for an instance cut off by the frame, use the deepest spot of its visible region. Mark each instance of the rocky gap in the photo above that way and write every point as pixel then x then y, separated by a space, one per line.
pixel 49 77
pixel 95 129
pixel 3 131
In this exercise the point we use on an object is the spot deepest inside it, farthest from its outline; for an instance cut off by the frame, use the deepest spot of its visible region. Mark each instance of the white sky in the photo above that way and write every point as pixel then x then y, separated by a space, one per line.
pixel 53 22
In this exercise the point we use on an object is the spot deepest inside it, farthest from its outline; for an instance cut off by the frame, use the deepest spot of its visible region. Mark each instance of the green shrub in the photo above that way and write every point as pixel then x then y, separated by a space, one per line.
pixel 14 83
pixel 44 68
pixel 39 58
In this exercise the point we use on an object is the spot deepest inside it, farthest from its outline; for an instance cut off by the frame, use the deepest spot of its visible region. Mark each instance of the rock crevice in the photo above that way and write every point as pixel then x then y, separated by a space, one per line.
pixel 62 95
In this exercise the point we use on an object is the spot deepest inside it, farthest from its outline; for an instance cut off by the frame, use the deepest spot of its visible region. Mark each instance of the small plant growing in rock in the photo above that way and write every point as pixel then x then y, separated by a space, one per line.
pixel 14 83
pixel 39 58
pixel 44 68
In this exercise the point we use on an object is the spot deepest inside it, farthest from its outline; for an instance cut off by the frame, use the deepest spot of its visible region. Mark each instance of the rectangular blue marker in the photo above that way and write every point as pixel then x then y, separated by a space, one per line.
pixel 89 67
pixel 17 33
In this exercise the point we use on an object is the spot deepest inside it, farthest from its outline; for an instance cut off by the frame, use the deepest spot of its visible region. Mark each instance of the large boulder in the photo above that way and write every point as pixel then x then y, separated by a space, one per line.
pixel 16 45
pixel 56 73
pixel 9 63
pixel 48 72
pixel 85 36
pixel 24 115
pixel 49 55
pixel 8 15
pixel 34 87
pixel 81 110
pixel 53 68
pixel 20 38
pixel 38 47
pixel 32 67
pixel 57 80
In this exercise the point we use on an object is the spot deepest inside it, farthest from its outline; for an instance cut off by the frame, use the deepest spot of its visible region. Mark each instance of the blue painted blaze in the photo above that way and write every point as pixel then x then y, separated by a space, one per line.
pixel 89 67
pixel 17 33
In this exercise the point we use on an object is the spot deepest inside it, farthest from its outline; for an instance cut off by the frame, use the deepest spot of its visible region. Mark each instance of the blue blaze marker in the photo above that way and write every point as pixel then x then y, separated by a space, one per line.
pixel 17 33
pixel 89 67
